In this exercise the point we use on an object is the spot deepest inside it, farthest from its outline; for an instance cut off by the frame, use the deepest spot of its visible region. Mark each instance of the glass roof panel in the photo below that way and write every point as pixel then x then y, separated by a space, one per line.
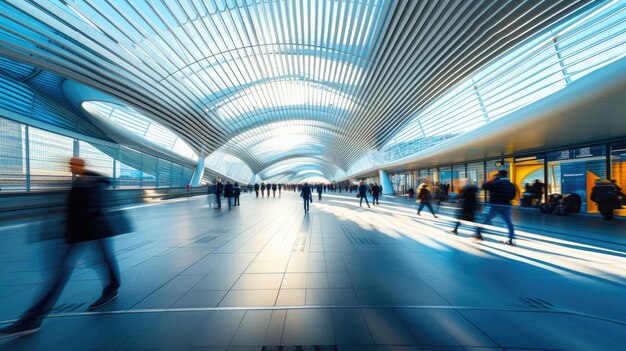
pixel 141 125
pixel 279 94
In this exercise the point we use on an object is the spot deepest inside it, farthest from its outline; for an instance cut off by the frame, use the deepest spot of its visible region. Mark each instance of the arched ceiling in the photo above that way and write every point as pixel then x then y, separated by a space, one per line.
pixel 274 81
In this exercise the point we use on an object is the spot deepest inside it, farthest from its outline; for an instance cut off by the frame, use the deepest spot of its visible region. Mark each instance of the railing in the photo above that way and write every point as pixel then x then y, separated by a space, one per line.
pixel 35 203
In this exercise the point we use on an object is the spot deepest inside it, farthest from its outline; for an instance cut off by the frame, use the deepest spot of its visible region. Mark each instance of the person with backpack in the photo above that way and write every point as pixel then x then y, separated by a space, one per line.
pixel 606 195
pixel 501 193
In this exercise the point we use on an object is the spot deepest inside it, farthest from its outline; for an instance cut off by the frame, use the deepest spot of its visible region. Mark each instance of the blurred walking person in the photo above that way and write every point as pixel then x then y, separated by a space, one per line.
pixel 229 194
pixel 424 198
pixel 501 193
pixel 468 204
pixel 363 194
pixel 319 189
pixel 256 189
pixel 87 224
pixel 306 195
pixel 218 193
pixel 236 193
pixel 375 194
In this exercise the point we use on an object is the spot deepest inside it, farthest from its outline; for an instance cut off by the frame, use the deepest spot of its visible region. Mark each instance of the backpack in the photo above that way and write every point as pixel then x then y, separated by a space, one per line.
pixel 508 191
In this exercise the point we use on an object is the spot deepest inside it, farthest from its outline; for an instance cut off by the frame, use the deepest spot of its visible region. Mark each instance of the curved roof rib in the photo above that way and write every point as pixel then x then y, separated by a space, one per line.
pixel 213 71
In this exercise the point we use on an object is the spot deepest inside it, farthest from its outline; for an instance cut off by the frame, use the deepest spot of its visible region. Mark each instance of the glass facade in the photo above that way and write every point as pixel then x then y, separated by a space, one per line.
pixel 12 155
pixel 32 158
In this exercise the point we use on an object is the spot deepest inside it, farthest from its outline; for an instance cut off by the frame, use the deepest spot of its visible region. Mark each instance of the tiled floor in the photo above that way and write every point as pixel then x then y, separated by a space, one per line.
pixel 266 274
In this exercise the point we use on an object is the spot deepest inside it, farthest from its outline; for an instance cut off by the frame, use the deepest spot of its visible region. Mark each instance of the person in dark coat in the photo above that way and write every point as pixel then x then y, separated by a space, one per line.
pixel 501 193
pixel 280 188
pixel 363 194
pixel 86 225
pixel 606 195
pixel 468 204
pixel 268 187
pixel 262 189
pixel 306 195
pixel 274 188
pixel 375 194
pixel 219 188
pixel 424 198
pixel 256 189
pixel 236 193
pixel 537 191
pixel 229 193
pixel 319 189
pixel 411 193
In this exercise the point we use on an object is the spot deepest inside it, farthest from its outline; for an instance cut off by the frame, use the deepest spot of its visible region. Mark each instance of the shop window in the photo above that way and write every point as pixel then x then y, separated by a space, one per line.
pixel 445 183
pixel 574 171
pixel 433 178
pixel 476 174
pixel 528 175
pixel 458 173
pixel 618 171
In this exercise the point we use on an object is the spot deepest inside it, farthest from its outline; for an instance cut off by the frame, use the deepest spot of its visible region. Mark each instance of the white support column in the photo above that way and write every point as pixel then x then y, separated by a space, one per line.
pixel 196 178
pixel 385 182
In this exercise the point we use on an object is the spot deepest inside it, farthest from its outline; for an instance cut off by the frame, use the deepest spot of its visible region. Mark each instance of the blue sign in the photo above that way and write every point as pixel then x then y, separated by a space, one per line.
pixel 574 181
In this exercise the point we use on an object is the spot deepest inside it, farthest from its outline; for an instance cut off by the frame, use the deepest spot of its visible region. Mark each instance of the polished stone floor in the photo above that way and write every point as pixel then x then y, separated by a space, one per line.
pixel 267 276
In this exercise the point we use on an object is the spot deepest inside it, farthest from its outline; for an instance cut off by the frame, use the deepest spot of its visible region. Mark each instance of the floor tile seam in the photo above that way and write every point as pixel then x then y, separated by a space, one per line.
pixel 345 307
pixel 174 277
pixel 478 328
pixel 157 289
pixel 247 267
pixel 367 325
pixel 285 272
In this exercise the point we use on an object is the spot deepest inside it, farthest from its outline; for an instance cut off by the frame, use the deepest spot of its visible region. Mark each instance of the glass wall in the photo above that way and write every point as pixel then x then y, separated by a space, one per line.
pixel 32 158
pixel 12 159
pixel 49 159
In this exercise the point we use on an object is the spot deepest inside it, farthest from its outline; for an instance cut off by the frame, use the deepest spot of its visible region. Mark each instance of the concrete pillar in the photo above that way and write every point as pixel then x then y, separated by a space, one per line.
pixel 252 179
pixel 196 178
pixel 385 182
